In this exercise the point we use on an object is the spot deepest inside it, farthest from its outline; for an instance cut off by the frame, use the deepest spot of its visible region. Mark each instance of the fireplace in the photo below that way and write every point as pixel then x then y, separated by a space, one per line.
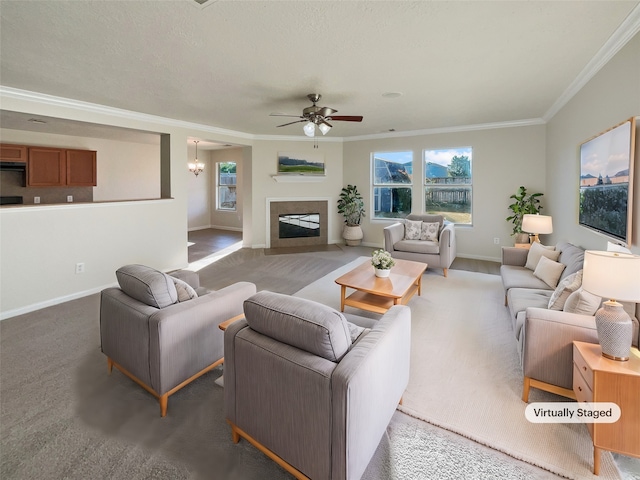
pixel 298 223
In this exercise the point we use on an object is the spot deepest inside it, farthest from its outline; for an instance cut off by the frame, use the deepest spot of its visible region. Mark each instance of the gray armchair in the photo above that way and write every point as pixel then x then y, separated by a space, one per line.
pixel 310 389
pixel 162 331
pixel 438 254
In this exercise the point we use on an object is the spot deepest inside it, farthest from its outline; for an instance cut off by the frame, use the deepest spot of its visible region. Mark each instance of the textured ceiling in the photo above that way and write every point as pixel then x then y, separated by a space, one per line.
pixel 228 64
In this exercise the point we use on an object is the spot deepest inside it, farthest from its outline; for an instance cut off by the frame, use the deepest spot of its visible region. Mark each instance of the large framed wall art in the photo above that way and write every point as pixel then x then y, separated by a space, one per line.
pixel 300 163
pixel 606 182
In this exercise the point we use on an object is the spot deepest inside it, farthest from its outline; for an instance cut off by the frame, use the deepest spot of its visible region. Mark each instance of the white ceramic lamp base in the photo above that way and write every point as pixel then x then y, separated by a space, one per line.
pixel 615 331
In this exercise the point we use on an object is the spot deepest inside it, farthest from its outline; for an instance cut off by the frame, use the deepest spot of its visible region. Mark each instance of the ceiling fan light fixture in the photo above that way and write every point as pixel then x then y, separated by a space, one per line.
pixel 324 128
pixel 309 129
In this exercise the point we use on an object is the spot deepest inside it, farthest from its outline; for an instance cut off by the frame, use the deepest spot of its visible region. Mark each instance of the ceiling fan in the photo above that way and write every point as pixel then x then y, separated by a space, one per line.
pixel 320 116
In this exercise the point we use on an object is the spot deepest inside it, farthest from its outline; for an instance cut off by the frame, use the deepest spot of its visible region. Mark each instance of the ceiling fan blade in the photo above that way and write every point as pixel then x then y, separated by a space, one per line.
pixel 283 115
pixel 326 112
pixel 291 123
pixel 346 118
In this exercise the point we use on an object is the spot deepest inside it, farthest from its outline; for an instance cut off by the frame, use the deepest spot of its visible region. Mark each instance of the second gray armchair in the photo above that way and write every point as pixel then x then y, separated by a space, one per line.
pixel 437 252
pixel 312 388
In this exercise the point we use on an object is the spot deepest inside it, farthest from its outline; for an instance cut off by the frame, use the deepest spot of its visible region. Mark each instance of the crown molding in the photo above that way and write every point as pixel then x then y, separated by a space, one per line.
pixel 461 128
pixel 42 98
pixel 625 32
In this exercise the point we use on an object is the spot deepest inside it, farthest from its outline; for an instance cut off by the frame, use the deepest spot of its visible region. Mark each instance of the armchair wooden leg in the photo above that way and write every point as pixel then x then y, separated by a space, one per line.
pixel 164 400
pixel 109 365
pixel 525 389
pixel 445 271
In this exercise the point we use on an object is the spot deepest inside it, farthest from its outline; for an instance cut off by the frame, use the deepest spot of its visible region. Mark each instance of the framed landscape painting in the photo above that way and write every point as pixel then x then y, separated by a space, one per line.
pixel 301 163
pixel 606 182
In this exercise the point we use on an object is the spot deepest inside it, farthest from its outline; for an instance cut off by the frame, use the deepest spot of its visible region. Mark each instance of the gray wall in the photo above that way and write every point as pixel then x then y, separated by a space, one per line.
pixel 609 98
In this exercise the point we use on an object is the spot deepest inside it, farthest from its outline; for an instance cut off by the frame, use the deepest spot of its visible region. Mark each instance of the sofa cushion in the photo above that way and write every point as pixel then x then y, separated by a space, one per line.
pixel 520 277
pixel 521 298
pixel 430 231
pixel 582 302
pixel 184 290
pixel 565 288
pixel 537 251
pixel 147 285
pixel 571 256
pixel 298 322
pixel 549 271
pixel 412 229
pixel 417 246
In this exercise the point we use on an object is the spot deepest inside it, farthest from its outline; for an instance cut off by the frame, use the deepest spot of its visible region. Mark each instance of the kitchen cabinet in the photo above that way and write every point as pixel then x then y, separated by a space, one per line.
pixel 50 167
pixel 81 168
pixel 13 153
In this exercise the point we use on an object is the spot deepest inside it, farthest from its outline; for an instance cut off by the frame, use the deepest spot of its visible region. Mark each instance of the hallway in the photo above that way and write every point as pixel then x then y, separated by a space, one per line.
pixel 210 240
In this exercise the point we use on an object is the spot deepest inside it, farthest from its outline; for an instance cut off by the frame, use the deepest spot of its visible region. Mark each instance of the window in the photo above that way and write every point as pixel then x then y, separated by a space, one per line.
pixel 392 179
pixel 448 185
pixel 226 185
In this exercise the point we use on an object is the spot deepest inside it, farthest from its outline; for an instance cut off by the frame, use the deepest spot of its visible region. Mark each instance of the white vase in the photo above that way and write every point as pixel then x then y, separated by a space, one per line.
pixel 383 272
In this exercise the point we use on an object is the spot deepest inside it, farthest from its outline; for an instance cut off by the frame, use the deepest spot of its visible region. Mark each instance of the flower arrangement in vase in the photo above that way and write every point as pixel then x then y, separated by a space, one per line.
pixel 382 262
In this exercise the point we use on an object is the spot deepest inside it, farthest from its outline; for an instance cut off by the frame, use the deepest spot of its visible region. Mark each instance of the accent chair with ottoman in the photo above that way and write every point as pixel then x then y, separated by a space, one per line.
pixel 162 331
pixel 422 238
pixel 312 388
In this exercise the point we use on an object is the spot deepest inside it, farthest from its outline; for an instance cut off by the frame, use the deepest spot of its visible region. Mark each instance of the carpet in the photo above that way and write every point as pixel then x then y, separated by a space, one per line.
pixel 466 375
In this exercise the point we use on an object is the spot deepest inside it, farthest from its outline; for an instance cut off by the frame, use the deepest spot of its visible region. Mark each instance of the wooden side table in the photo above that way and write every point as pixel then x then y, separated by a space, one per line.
pixel 598 379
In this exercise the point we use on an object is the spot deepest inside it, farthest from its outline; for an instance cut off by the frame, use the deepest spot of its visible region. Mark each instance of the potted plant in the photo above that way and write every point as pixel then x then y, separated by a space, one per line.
pixel 524 203
pixel 382 262
pixel 351 206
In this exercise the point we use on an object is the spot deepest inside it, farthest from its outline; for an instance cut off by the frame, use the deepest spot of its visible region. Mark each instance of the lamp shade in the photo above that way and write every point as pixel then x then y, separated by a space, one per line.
pixel 612 275
pixel 324 128
pixel 309 129
pixel 537 223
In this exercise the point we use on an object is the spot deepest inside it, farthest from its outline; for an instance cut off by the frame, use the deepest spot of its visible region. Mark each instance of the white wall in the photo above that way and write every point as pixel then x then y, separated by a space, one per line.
pixel 126 170
pixel 264 166
pixel 40 245
pixel 610 97
pixel 503 159
pixel 199 197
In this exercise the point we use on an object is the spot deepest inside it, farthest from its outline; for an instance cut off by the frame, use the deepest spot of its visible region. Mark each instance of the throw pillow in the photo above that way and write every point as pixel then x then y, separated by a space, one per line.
pixel 582 302
pixel 147 285
pixel 536 251
pixel 565 288
pixel 185 291
pixel 429 231
pixel 412 229
pixel 549 271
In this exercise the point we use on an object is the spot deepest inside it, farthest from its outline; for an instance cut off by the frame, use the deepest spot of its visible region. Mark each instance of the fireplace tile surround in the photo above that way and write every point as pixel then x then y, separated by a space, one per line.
pixel 297 207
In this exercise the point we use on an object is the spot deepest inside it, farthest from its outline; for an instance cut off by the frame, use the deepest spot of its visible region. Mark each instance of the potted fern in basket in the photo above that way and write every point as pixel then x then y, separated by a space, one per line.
pixel 351 206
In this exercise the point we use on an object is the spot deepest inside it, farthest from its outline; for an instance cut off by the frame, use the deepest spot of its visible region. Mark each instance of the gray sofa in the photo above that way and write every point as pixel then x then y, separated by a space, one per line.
pixel 312 388
pixel 544 336
pixel 164 333
pixel 438 253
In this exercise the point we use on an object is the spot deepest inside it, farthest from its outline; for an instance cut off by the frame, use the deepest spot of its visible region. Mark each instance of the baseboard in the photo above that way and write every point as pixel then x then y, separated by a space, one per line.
pixel 480 257
pixel 217 227
pixel 51 302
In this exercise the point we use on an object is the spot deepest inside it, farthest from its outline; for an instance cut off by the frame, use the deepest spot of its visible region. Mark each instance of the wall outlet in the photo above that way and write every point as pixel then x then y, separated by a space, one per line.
pixel 36 199
pixel 496 240
pixel 79 267
pixel 69 198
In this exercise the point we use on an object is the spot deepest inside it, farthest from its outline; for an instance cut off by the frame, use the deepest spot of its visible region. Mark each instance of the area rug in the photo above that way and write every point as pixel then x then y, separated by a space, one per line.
pixel 466 375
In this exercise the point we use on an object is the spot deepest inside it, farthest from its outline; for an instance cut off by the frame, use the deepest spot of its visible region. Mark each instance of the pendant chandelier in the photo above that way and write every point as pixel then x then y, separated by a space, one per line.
pixel 196 167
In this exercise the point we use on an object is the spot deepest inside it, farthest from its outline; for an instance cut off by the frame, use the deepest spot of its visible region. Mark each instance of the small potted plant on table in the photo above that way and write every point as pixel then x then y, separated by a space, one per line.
pixel 382 262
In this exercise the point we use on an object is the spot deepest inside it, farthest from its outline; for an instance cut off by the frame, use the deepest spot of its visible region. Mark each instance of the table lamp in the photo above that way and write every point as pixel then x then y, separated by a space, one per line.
pixel 615 276
pixel 536 224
